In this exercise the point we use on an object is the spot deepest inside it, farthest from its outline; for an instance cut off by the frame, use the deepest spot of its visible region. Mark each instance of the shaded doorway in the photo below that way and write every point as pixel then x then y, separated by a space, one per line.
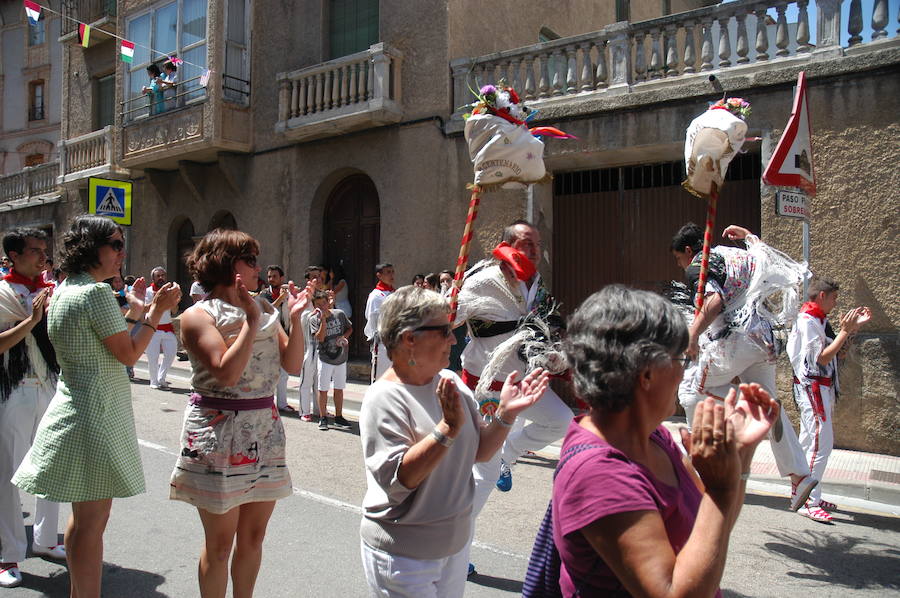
pixel 184 245
pixel 223 219
pixel 352 240
pixel 614 225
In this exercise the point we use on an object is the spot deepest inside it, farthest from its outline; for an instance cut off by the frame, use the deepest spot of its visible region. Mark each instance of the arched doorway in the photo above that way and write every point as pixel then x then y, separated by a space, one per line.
pixel 223 219
pixel 352 239
pixel 184 244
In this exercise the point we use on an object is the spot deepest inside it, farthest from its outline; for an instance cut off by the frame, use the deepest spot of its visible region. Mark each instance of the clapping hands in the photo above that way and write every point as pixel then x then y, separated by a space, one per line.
pixel 516 397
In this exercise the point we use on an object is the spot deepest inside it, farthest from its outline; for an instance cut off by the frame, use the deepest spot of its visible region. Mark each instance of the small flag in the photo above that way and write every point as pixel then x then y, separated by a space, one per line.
pixel 204 78
pixel 175 60
pixel 127 51
pixel 33 10
pixel 84 34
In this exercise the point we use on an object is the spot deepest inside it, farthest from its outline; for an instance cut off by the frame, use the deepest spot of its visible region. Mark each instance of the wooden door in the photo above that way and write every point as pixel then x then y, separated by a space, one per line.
pixel 352 239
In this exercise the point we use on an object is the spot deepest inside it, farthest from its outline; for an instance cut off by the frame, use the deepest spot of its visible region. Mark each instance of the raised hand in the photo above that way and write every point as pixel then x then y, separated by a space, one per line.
pixel 735 233
pixel 451 406
pixel 516 397
pixel 855 318
pixel 752 414
pixel 39 305
pixel 298 300
pixel 139 288
pixel 713 448
pixel 246 300
pixel 167 298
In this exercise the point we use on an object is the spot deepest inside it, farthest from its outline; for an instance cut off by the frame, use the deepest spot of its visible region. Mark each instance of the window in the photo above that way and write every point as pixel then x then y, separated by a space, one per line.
pixel 172 28
pixel 352 26
pixel 36 100
pixel 34 159
pixel 36 33
pixel 104 101
pixel 237 65
pixel 623 10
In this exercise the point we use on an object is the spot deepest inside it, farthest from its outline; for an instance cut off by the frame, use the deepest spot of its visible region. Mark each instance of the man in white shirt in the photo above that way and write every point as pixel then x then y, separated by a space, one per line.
pixel 380 360
pixel 163 340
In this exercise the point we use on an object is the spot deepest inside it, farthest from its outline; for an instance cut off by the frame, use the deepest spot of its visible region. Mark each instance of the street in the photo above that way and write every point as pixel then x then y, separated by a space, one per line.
pixel 312 546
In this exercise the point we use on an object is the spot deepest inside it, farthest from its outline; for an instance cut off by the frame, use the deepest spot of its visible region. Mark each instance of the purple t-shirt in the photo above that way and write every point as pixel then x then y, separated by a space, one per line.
pixel 599 482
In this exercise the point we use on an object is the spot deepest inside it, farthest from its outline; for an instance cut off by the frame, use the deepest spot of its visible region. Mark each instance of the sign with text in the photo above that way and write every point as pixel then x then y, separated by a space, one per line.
pixel 791 204
pixel 110 198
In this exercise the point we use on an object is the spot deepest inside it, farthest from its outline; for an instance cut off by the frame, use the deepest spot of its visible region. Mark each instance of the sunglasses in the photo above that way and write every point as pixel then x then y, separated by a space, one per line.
pixel 117 245
pixel 446 329
pixel 684 361
pixel 248 259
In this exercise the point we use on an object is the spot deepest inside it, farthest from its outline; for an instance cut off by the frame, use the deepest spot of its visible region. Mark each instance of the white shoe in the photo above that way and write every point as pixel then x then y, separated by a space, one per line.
pixel 800 492
pixel 10 577
pixel 155 386
pixel 57 552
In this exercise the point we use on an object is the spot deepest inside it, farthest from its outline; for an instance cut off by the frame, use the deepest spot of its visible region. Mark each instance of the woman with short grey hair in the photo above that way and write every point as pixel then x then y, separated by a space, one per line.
pixel 628 518
pixel 421 434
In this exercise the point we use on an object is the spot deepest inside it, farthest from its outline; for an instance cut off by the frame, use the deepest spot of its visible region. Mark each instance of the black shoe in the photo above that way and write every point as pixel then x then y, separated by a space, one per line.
pixel 323 423
pixel 340 422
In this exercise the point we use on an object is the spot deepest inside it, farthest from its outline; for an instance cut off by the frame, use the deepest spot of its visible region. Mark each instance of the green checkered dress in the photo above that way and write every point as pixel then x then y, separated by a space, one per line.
pixel 86 446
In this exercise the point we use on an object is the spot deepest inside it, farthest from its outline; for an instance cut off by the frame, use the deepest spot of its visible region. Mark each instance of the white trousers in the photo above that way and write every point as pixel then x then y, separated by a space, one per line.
pixel 19 419
pixel 549 419
pixel 743 359
pixel 308 384
pixel 162 342
pixel 380 361
pixel 281 391
pixel 391 576
pixel 816 430
pixel 332 376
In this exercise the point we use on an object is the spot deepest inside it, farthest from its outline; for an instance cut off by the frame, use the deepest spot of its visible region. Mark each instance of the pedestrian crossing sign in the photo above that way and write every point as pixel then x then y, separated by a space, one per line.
pixel 110 198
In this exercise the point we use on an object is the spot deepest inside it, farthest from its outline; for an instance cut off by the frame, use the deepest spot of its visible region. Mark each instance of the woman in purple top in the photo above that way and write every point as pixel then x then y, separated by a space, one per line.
pixel 628 517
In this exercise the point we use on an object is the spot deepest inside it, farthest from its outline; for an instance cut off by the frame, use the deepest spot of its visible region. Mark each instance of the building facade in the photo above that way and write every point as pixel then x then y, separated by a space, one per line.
pixel 331 130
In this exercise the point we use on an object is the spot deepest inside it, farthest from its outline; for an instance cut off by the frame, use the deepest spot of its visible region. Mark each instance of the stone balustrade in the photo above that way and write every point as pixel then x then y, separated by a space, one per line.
pixel 627 56
pixel 349 93
pixel 86 156
pixel 31 181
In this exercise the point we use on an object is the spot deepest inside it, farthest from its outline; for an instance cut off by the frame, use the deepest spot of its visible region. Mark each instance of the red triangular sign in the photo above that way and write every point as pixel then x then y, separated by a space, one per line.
pixel 792 163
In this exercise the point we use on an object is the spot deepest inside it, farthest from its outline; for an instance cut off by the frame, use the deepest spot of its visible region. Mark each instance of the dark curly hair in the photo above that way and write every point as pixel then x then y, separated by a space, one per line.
pixel 212 261
pixel 81 245
pixel 616 334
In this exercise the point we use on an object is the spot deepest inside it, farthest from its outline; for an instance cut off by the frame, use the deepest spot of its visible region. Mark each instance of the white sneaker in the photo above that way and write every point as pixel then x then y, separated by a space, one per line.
pixel 10 577
pixel 155 386
pixel 57 552
pixel 800 492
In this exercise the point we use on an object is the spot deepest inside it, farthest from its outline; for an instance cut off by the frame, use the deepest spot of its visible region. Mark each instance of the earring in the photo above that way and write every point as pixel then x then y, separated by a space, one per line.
pixel 411 362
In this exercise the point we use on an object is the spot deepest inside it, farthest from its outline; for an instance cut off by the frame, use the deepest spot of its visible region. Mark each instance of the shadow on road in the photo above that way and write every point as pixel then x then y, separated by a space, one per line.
pixel 498 583
pixel 538 461
pixel 117 581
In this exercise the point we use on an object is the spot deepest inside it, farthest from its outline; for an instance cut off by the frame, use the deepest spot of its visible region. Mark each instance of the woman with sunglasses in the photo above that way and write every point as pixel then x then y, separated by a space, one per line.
pixel 421 433
pixel 232 462
pixel 85 450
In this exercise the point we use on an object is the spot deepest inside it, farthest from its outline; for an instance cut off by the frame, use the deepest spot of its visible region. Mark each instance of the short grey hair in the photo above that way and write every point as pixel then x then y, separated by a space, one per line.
pixel 615 335
pixel 158 269
pixel 406 309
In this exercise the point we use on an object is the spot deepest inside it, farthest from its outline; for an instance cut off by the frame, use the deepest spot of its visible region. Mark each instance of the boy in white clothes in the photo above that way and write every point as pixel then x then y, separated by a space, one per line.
pixel 332 330
pixel 163 340
pixel 813 350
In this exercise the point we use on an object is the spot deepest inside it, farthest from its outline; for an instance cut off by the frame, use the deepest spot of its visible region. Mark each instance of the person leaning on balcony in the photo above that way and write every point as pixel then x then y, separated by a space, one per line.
pixel 155 90
pixel 170 82
pixel 628 518
pixel 85 450
pixel 421 434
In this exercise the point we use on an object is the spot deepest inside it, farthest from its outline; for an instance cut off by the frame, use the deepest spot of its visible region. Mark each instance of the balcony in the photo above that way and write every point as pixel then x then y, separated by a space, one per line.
pixel 88 156
pixel 99 14
pixel 33 185
pixel 611 68
pixel 351 93
pixel 198 123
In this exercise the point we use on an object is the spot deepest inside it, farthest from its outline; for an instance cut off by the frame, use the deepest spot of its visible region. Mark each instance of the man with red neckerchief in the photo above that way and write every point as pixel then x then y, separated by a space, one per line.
pixel 28 374
pixel 163 340
pixel 380 359
pixel 813 349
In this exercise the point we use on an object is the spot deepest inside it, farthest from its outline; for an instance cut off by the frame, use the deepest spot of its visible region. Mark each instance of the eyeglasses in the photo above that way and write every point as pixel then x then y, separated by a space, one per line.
pixel 248 259
pixel 683 360
pixel 118 245
pixel 446 329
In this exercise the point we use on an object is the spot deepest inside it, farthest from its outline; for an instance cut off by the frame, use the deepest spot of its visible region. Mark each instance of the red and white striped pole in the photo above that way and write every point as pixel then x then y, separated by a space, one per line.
pixel 463 258
pixel 707 243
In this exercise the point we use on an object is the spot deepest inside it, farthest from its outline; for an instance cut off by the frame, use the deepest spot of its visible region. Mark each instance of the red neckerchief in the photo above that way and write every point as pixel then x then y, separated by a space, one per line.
pixel 814 310
pixel 275 292
pixel 522 266
pixel 384 287
pixel 32 284
pixel 155 288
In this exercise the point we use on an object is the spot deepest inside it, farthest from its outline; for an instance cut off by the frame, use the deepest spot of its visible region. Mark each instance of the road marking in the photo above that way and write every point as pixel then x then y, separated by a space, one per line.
pixel 156 447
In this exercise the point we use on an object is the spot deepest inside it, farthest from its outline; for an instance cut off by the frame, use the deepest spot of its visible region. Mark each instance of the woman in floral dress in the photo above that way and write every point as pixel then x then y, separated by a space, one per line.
pixel 232 464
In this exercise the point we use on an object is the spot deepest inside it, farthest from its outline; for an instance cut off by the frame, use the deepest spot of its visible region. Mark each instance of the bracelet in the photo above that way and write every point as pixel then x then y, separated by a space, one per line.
pixel 745 476
pixel 131 321
pixel 442 438
pixel 149 325
pixel 502 421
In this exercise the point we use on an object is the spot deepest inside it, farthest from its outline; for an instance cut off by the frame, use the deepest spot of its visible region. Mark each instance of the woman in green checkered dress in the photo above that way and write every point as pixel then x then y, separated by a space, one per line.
pixel 85 450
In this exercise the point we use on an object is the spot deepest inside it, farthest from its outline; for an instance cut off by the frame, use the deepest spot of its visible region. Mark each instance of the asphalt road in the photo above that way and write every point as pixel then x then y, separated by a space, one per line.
pixel 312 546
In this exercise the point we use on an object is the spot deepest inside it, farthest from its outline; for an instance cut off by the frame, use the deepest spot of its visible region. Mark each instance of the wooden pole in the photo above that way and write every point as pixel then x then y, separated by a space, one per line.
pixel 463 258
pixel 707 243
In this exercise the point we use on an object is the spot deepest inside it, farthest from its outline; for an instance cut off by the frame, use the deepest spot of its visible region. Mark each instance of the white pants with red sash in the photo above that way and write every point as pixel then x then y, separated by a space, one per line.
pixel 815 402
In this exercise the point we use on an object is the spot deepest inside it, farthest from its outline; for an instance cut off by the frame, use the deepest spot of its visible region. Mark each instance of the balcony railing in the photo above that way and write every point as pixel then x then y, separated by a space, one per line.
pixel 353 92
pixel 628 56
pixel 88 155
pixel 87 11
pixel 31 181
pixel 186 92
